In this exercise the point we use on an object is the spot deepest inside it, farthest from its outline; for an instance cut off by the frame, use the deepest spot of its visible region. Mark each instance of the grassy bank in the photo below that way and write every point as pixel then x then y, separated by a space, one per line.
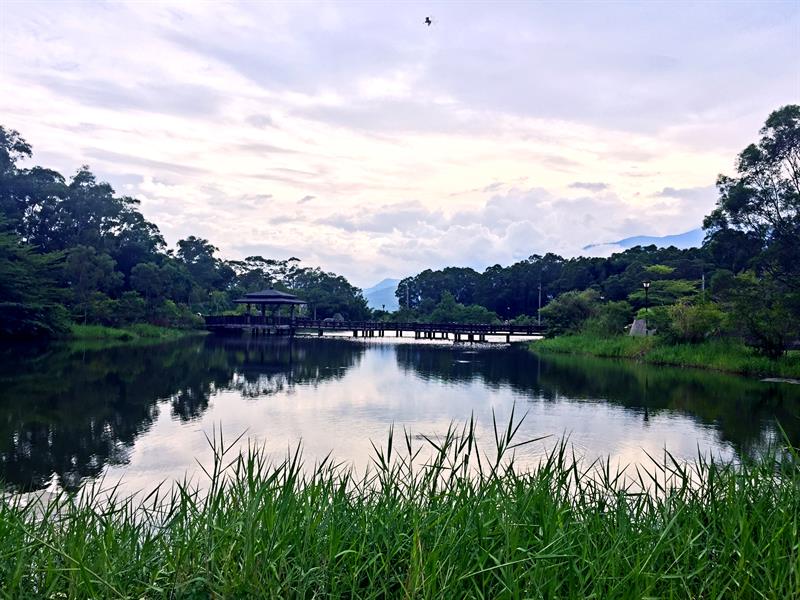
pixel 141 332
pixel 721 355
pixel 457 528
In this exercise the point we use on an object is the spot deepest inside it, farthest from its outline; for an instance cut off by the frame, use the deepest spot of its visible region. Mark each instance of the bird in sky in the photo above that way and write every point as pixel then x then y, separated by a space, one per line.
pixel 428 21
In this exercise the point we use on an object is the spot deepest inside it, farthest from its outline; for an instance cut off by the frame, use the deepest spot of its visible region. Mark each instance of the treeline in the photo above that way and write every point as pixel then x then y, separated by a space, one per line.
pixel 744 281
pixel 72 250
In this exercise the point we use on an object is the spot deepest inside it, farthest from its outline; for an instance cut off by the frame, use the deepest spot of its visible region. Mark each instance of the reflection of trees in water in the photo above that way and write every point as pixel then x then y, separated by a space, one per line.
pixel 266 368
pixel 743 411
pixel 69 412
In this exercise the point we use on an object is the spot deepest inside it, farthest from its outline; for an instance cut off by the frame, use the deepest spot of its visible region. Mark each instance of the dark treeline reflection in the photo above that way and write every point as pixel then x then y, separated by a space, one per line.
pixel 67 411
pixel 743 411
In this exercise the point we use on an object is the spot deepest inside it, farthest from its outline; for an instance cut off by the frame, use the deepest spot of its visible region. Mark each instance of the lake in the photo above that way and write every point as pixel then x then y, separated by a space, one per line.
pixel 142 414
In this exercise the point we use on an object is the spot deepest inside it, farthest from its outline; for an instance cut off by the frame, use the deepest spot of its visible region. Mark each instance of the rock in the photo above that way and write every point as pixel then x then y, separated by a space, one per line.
pixel 638 329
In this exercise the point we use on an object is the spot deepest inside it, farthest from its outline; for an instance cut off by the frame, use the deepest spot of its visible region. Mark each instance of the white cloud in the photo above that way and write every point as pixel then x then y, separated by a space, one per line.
pixel 419 146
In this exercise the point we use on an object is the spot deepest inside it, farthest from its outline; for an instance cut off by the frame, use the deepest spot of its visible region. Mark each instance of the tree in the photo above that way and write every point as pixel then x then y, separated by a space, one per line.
pixel 24 192
pixel 209 272
pixel 148 280
pixel 761 311
pixel 609 318
pixel 29 295
pixel 568 312
pixel 763 201
pixel 450 311
pixel 663 292
pixel 694 321
pixel 328 294
pixel 88 272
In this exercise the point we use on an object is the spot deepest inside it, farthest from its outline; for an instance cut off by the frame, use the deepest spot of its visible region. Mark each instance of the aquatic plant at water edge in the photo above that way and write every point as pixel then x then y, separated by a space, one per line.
pixel 455 523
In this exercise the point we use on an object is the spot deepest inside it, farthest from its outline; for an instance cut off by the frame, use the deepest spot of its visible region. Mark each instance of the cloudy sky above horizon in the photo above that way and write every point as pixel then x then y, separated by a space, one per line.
pixel 358 139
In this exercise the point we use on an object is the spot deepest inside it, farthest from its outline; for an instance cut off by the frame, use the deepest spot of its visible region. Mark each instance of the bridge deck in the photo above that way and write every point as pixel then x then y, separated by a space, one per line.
pixel 367 328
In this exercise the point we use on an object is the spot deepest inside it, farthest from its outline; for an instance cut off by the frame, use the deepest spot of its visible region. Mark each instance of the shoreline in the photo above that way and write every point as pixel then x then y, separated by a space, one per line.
pixel 714 355
pixel 140 333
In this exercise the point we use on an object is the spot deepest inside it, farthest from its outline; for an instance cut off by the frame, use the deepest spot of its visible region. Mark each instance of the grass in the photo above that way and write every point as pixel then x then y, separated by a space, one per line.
pixel 133 333
pixel 721 355
pixel 462 525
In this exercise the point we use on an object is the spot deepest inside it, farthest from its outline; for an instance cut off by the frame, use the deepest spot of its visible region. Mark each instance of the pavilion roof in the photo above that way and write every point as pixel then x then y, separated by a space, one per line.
pixel 270 296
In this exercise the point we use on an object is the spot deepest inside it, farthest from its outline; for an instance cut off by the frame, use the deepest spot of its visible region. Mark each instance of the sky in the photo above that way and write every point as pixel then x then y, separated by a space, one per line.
pixel 355 137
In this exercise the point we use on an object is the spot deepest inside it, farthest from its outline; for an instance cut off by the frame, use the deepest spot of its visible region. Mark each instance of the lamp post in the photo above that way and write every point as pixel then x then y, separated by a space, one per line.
pixel 646 286
pixel 539 312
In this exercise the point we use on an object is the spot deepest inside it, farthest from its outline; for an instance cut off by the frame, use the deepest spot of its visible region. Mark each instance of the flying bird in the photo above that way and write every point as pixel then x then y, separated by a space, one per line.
pixel 428 21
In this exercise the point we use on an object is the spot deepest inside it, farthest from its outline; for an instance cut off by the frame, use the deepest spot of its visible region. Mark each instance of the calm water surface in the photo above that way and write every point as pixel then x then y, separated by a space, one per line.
pixel 141 414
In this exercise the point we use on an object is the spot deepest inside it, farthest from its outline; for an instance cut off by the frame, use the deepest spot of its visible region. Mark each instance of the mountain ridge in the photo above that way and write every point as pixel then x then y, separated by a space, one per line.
pixel 382 295
pixel 689 239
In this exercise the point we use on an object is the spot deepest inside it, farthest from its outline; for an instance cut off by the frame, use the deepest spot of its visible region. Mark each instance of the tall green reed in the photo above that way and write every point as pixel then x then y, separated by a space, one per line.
pixel 438 519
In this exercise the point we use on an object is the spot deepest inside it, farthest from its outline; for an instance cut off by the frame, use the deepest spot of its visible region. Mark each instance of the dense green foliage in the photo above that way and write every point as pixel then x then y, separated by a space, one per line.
pixel 514 290
pixel 760 208
pixel 73 248
pixel 719 354
pixel 464 525
pixel 28 293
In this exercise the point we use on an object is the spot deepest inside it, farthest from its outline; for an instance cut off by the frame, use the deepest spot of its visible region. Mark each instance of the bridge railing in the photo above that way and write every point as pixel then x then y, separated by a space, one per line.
pixel 255 320
pixel 329 324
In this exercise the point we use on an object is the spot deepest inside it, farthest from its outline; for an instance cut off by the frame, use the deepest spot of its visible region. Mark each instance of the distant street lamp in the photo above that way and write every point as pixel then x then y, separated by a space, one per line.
pixel 646 286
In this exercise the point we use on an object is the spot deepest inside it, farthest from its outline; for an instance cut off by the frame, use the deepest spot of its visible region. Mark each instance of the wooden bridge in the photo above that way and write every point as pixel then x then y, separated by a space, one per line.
pixel 258 325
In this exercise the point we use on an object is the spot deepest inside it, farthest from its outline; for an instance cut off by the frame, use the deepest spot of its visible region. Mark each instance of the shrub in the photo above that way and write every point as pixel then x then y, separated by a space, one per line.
pixel 130 308
pixel 610 319
pixel 450 311
pixel 658 319
pixel 568 312
pixel 694 322
pixel 764 312
pixel 32 320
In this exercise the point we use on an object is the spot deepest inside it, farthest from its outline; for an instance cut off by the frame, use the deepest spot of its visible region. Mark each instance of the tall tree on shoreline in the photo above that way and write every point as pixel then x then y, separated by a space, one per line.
pixel 762 204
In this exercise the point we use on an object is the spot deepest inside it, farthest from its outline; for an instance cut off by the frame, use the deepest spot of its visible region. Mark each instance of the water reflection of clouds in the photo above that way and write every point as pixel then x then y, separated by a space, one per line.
pixel 337 395
pixel 341 416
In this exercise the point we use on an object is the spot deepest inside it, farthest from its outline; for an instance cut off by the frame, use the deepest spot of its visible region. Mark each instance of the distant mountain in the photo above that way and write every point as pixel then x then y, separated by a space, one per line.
pixel 382 294
pixel 690 239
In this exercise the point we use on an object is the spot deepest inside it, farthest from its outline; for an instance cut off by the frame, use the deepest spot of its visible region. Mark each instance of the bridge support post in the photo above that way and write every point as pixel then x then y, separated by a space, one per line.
pixel 355 332
pixel 508 338
pixel 319 333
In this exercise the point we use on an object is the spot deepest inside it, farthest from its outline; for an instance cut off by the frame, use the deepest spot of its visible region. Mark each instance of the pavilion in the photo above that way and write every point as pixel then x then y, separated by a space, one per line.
pixel 272 298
